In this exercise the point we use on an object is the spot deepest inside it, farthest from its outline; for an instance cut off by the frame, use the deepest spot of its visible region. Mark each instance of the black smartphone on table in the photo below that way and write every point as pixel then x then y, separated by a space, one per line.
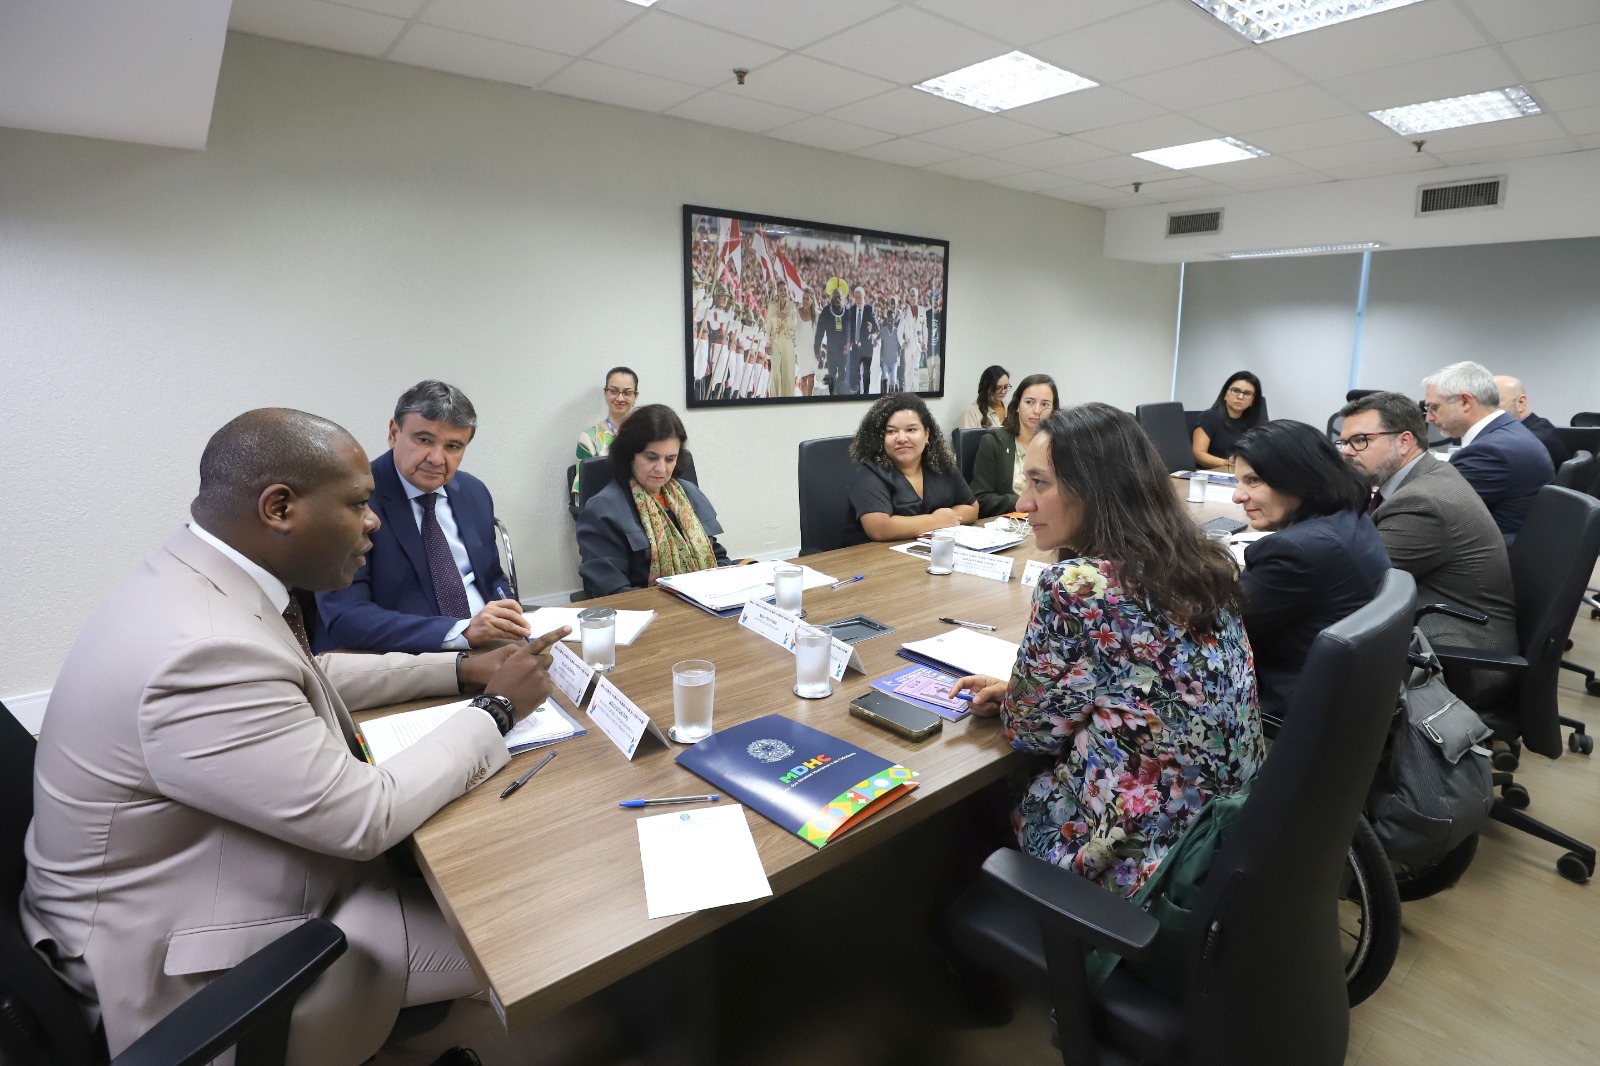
pixel 896 715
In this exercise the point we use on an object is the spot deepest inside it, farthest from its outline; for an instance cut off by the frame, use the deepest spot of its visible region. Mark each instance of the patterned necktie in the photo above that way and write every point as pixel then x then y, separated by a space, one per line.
pixel 448 590
pixel 1375 503
pixel 296 621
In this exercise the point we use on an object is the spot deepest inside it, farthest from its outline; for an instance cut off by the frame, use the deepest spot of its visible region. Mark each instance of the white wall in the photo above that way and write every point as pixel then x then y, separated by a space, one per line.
pixel 354 226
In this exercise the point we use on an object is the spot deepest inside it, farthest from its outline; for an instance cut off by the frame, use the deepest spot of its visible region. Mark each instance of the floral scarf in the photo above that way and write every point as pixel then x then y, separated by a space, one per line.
pixel 673 551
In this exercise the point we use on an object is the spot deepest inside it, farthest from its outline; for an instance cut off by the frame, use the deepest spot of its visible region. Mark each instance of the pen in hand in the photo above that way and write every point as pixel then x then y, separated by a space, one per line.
pixel 519 782
pixel 669 799
pixel 969 625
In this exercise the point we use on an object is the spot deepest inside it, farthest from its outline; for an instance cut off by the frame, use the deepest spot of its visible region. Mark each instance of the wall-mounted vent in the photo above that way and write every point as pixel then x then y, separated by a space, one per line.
pixel 1476 195
pixel 1192 222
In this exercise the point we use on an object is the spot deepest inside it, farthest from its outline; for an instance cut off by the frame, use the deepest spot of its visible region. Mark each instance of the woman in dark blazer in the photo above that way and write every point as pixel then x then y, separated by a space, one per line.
pixel 1323 561
pixel 647 523
pixel 906 481
pixel 997 468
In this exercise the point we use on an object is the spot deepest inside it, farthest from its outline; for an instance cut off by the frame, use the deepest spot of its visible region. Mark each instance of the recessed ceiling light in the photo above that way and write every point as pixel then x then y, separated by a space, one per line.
pixel 1495 106
pixel 1005 82
pixel 642 3
pixel 1267 20
pixel 1202 153
pixel 1309 249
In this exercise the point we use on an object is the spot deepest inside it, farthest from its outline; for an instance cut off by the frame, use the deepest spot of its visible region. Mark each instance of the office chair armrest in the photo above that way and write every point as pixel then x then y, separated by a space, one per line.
pixel 1466 614
pixel 1486 660
pixel 261 989
pixel 1074 904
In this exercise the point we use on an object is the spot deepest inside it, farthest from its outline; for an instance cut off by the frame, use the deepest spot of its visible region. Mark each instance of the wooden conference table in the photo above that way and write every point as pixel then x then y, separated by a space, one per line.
pixel 545 889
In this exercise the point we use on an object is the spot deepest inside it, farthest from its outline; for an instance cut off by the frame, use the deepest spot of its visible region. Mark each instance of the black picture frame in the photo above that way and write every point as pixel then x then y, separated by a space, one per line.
pixel 758 300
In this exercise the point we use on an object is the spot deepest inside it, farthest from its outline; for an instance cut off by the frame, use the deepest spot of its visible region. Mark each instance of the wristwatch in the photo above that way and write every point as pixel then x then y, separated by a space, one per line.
pixel 500 709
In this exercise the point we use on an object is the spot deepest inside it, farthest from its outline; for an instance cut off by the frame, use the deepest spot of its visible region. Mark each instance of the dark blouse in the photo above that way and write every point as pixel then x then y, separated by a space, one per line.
pixel 874 490
pixel 1223 431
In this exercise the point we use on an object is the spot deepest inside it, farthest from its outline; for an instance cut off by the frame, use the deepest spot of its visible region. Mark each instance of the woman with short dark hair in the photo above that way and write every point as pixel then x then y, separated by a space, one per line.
pixel 1240 407
pixel 989 409
pixel 1323 561
pixel 1134 673
pixel 997 468
pixel 647 523
pixel 906 480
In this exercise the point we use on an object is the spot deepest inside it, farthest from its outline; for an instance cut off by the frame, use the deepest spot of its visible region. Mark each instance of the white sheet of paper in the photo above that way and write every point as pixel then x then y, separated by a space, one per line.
pixel 979 538
pixel 629 623
pixel 699 858
pixel 969 652
pixel 570 673
pixel 621 719
pixel 545 723
pixel 386 737
pixel 730 586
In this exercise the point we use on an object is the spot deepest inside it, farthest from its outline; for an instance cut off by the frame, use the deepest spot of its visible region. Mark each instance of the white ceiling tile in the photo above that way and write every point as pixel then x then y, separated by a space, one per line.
pixel 909 153
pixel 1074 193
pixel 681 50
pixel 571 29
pixel 1031 181
pixel 828 133
pixel 976 167
pixel 1106 199
pixel 1405 34
pixel 1490 134
pixel 907 46
pixel 1393 149
pixel 1510 19
pixel 1379 170
pixel 1474 71
pixel 1056 152
pixel 1163 131
pixel 1114 168
pixel 342 29
pixel 1504 152
pixel 986 134
pixel 1208 81
pixel 906 111
pixel 1087 109
pixel 777 21
pixel 1303 103
pixel 1555 55
pixel 808 84
pixel 1577 90
pixel 476 57
pixel 402 9
pixel 1581 120
pixel 1246 169
pixel 735 112
pixel 1151 38
pixel 1161 186
pixel 588 80
pixel 1022 22
pixel 1324 133
pixel 1278 181
pixel 1589 141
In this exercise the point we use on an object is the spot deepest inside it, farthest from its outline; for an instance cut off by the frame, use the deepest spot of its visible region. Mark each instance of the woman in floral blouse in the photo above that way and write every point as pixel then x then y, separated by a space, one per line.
pixel 1134 674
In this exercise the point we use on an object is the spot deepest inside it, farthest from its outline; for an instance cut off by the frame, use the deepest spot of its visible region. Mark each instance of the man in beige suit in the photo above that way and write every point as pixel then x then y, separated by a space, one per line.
pixel 198 788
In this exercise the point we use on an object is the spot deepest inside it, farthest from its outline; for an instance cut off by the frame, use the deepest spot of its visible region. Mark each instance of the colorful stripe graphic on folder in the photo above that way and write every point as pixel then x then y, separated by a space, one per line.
pixel 811 783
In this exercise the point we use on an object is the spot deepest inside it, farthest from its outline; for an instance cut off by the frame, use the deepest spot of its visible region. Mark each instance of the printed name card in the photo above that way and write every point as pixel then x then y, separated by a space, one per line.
pixel 1031 571
pixel 621 719
pixel 761 617
pixel 979 564
pixel 570 673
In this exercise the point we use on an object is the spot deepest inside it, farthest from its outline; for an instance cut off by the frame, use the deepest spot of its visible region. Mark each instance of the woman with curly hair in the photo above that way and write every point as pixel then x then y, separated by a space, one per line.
pixel 1134 677
pixel 906 480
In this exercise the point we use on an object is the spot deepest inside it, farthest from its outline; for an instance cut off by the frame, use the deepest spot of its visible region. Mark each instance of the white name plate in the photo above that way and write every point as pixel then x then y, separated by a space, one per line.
pixel 570 673
pixel 761 617
pixel 979 564
pixel 621 719
pixel 1031 571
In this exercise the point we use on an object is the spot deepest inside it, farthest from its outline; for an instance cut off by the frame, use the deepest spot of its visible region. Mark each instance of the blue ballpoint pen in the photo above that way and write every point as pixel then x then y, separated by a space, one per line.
pixel 668 799
pixel 847 581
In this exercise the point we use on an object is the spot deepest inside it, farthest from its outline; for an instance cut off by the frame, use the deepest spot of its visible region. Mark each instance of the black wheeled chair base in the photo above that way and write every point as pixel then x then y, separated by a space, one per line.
pixel 1576 865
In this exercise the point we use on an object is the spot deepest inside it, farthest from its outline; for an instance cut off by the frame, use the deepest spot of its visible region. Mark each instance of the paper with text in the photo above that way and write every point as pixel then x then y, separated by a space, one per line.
pixel 570 673
pixel 629 623
pixel 621 719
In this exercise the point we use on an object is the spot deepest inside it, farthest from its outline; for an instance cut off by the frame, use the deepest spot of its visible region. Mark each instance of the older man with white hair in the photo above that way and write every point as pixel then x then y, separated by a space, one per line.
pixel 1499 457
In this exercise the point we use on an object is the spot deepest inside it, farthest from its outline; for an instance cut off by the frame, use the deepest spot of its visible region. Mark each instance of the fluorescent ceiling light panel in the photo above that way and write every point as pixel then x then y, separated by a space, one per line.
pixel 1267 20
pixel 642 3
pixel 1005 82
pixel 1309 249
pixel 1202 153
pixel 1496 106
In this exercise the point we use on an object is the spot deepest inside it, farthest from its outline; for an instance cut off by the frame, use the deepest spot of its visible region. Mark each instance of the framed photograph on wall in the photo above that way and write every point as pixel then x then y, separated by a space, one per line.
pixel 778 310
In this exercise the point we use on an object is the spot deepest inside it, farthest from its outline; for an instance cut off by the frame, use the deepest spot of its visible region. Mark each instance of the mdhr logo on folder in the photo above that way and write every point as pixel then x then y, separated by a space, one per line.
pixel 812 783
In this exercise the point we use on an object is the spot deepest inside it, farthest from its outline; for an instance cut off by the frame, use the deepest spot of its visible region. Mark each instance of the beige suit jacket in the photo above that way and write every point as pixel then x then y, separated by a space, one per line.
pixel 195 797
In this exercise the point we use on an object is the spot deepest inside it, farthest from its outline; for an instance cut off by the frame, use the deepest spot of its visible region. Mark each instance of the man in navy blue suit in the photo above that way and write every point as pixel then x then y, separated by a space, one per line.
pixel 1499 457
pixel 432 581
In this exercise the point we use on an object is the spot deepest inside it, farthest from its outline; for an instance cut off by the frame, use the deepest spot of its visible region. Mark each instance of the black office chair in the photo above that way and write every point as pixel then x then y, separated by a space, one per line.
pixel 1191 419
pixel 1586 419
pixel 595 474
pixel 1334 421
pixel 1262 974
pixel 1164 424
pixel 508 559
pixel 966 443
pixel 40 1022
pixel 1551 561
pixel 824 493
pixel 1577 473
pixel 566 488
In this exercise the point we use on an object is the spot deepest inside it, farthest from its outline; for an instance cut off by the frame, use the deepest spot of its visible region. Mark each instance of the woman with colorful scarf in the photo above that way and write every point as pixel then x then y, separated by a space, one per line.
pixel 646 524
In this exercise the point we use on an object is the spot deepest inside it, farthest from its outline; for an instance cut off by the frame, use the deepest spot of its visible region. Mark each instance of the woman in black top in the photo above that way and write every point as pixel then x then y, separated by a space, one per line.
pixel 997 469
pixel 1240 407
pixel 1323 561
pixel 906 480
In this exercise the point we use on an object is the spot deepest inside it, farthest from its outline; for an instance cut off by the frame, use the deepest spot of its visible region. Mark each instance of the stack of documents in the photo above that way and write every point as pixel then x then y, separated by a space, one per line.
pixel 629 623
pixel 385 737
pixel 960 651
pixel 979 538
pixel 725 590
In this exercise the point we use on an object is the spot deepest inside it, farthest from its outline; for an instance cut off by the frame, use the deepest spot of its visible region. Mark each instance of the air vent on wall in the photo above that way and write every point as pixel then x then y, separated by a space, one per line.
pixel 1191 223
pixel 1475 195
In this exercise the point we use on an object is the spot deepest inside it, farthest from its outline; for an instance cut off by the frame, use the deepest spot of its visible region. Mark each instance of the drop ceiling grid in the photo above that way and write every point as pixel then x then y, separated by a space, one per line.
pixel 837 74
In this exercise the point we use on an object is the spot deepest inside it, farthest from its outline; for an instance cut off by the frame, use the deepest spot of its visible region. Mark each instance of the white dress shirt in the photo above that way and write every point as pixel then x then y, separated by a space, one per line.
pixel 454 640
pixel 276 591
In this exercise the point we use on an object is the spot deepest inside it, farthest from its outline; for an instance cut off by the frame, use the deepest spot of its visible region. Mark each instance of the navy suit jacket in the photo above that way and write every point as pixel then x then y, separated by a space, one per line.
pixel 1507 466
pixel 390 606
pixel 1298 582
pixel 1545 430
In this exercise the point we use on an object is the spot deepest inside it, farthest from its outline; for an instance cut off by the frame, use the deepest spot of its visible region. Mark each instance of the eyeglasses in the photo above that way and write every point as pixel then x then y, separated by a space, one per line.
pixel 1002 389
pixel 1243 394
pixel 1359 442
pixel 1433 408
pixel 616 393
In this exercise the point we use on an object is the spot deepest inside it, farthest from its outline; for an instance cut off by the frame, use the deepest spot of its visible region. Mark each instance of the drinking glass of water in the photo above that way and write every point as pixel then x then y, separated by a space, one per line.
pixel 813 662
pixel 694 683
pixel 786 583
pixel 598 628
pixel 942 558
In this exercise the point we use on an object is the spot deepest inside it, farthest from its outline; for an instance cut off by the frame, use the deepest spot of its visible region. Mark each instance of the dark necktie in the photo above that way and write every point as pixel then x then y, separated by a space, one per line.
pixel 1375 503
pixel 296 620
pixel 447 587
